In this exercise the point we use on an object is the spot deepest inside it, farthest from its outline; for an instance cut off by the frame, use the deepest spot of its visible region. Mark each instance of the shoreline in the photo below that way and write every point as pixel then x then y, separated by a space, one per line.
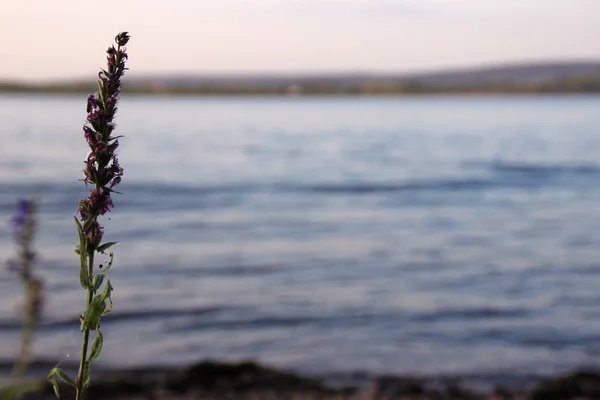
pixel 202 94
pixel 211 379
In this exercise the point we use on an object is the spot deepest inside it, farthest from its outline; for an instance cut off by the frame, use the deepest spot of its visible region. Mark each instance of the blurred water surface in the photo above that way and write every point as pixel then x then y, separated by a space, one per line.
pixel 408 235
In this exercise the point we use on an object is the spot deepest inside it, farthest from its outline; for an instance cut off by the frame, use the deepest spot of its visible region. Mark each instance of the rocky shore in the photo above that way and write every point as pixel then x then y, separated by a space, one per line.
pixel 248 380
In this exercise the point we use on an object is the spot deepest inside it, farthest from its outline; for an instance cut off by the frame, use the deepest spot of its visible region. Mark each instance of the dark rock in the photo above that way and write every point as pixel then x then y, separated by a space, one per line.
pixel 502 393
pixel 455 391
pixel 100 390
pixel 582 384
pixel 391 387
pixel 238 377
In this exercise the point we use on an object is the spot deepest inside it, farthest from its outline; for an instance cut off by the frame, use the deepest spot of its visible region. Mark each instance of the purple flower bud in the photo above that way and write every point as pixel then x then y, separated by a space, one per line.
pixel 95 114
pixel 115 182
pixel 92 103
pixel 85 209
pixel 90 136
pixel 20 216
pixel 112 148
pixel 122 38
pixel 94 235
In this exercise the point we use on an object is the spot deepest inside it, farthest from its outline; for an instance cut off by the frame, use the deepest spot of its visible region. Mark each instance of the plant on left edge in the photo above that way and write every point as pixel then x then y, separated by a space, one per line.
pixel 103 172
pixel 24 226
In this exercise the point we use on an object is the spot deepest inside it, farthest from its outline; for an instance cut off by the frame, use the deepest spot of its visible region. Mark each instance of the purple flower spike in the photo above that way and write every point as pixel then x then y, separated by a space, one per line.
pixel 21 215
pixel 102 166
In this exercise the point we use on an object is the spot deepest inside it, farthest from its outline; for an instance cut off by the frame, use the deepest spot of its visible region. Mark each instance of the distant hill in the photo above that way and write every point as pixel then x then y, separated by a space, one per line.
pixel 517 73
pixel 528 74
pixel 559 77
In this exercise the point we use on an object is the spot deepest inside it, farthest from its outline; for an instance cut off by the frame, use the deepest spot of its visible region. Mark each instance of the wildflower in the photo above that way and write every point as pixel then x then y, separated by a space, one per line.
pixel 21 216
pixel 23 222
pixel 103 171
pixel 102 167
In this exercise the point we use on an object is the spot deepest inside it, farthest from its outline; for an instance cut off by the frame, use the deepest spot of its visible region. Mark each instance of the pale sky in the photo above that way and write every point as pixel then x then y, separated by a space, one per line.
pixel 50 39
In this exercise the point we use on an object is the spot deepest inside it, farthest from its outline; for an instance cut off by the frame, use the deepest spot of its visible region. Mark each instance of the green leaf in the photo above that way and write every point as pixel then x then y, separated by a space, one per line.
pixel 77 250
pixel 54 384
pixel 105 247
pixel 83 273
pixel 57 373
pixel 106 293
pixel 63 375
pixel 86 374
pixel 110 139
pixel 110 263
pixel 111 190
pixel 88 223
pixel 96 346
pixel 94 312
pixel 80 231
pixel 97 282
pixel 98 308
pixel 100 95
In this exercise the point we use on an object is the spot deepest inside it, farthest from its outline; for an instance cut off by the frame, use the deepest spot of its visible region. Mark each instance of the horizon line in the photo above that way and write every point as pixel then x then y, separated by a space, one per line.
pixel 484 66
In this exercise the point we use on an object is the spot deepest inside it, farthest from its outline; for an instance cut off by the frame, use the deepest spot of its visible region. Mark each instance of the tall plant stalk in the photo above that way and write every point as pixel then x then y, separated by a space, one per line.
pixel 24 227
pixel 103 172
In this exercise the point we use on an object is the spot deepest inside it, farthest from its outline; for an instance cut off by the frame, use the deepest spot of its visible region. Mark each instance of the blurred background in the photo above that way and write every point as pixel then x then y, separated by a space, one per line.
pixel 383 186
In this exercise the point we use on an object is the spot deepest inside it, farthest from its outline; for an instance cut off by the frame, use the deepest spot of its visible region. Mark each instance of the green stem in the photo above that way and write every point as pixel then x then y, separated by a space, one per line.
pixel 86 332
pixel 20 367
pixel 31 302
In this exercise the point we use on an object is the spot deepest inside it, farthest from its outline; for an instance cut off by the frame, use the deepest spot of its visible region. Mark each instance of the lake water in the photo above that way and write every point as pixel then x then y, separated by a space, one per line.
pixel 425 235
